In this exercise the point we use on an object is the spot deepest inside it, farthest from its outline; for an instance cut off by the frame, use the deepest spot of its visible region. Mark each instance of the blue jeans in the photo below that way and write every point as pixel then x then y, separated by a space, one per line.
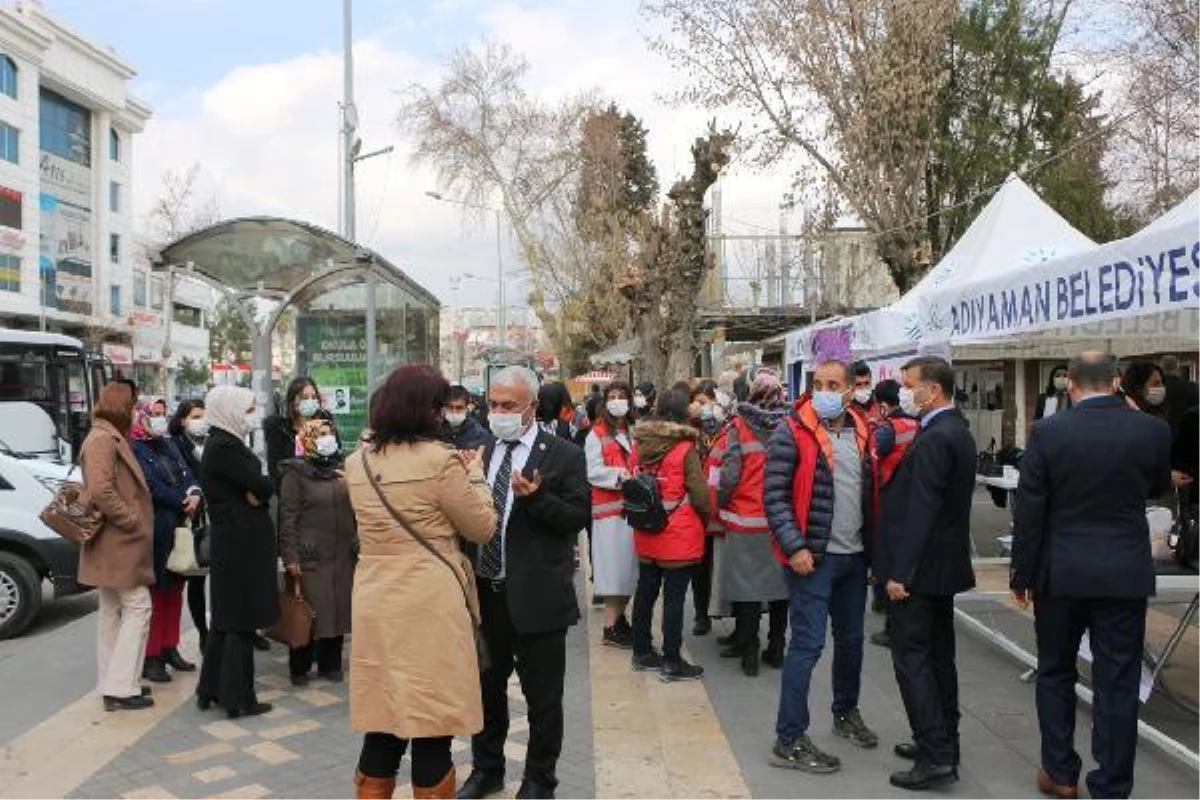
pixel 836 591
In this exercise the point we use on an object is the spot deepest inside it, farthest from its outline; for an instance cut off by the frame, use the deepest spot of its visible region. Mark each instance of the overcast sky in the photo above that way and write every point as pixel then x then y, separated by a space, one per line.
pixel 250 90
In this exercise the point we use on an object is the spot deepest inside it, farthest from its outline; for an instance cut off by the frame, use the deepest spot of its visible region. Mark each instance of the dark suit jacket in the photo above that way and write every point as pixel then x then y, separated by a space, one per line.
pixel 1080 520
pixel 541 535
pixel 926 517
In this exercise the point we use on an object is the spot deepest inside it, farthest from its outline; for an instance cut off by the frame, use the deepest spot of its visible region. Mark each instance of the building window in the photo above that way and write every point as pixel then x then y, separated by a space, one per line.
pixel 10 143
pixel 139 288
pixel 187 315
pixel 8 77
pixel 114 248
pixel 10 208
pixel 10 273
pixel 156 294
pixel 114 197
pixel 114 300
pixel 65 128
pixel 114 145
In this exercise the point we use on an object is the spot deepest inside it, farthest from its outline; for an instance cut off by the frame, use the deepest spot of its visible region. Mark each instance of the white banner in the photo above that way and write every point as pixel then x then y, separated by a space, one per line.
pixel 1151 274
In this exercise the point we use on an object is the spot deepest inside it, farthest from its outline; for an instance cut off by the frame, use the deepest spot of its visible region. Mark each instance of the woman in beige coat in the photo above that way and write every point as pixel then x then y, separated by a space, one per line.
pixel 414 674
pixel 119 560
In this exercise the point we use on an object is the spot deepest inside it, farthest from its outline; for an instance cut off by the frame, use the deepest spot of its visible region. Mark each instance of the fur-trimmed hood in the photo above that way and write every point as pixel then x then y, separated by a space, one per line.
pixel 655 438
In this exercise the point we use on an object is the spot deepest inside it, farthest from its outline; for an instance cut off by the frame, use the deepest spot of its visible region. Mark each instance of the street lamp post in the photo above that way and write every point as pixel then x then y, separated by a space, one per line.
pixel 501 317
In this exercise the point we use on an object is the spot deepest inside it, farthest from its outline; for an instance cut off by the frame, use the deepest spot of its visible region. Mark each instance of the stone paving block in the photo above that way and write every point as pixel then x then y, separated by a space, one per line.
pixel 253 791
pixel 318 697
pixel 214 774
pixel 225 730
pixel 200 753
pixel 147 793
pixel 291 729
pixel 272 753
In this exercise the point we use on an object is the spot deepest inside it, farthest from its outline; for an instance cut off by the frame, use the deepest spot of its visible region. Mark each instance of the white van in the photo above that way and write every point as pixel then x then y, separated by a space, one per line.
pixel 48 384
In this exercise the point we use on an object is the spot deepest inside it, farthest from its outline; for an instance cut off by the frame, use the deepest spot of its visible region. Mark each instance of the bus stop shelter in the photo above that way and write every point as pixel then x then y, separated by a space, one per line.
pixel 357 315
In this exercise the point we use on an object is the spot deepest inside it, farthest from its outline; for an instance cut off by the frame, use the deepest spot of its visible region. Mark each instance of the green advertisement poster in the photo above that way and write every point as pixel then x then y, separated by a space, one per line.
pixel 332 350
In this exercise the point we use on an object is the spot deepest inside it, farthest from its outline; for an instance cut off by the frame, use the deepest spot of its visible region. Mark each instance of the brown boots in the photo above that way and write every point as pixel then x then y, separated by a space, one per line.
pixel 444 789
pixel 368 788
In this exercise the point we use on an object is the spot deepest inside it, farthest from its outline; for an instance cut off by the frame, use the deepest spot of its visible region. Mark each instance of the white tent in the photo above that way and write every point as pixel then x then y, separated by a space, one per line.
pixel 1016 230
pixel 1132 296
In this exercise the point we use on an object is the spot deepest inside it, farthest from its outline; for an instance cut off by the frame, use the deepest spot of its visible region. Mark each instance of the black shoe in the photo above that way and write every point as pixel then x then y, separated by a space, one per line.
pixel 261 642
pixel 702 627
pixel 750 663
pixel 924 775
pixel 732 651
pixel 154 669
pixel 333 676
pixel 851 726
pixel 252 710
pixel 177 662
pixel 299 680
pixel 614 636
pixel 907 750
pixel 882 638
pixel 678 669
pixel 204 703
pixel 726 640
pixel 127 703
pixel 533 789
pixel 481 783
pixel 146 691
pixel 647 662
pixel 804 756
pixel 773 655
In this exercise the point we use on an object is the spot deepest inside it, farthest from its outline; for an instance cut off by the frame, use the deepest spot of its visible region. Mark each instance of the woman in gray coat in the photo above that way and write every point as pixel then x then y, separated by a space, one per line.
pixel 317 536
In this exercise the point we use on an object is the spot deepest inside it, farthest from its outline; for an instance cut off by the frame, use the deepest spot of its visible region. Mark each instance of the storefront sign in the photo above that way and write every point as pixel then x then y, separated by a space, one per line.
pixel 121 355
pixel 65 238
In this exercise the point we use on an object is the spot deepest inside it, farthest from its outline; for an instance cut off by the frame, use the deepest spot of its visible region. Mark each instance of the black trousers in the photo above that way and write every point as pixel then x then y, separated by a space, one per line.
pixel 198 606
pixel 702 581
pixel 227 672
pixel 382 752
pixel 326 652
pixel 747 623
pixel 673 583
pixel 923 653
pixel 540 661
pixel 1117 630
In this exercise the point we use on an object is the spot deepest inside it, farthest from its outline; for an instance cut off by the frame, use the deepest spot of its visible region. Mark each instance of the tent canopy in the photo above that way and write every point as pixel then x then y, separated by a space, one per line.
pixel 1015 230
pixel 619 354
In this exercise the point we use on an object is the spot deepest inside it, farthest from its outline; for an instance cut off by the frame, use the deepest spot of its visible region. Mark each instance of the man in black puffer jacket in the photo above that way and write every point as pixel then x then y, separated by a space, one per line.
pixel 816 493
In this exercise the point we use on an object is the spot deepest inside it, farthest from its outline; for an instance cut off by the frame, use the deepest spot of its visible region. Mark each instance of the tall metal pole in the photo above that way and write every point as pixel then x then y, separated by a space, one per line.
pixel 350 154
pixel 501 321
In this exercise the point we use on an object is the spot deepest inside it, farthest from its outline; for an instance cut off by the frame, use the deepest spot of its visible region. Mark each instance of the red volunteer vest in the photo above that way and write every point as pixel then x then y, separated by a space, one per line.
pixel 606 503
pixel 683 538
pixel 745 513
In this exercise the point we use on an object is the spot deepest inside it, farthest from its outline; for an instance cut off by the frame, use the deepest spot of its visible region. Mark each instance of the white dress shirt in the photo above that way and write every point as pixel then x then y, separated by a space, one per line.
pixel 520 456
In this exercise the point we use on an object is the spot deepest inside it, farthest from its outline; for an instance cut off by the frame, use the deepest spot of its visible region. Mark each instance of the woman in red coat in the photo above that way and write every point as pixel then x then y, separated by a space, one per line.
pixel 667 447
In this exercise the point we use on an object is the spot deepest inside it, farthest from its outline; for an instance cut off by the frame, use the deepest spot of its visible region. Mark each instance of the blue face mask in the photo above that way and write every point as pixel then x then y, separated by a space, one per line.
pixel 828 405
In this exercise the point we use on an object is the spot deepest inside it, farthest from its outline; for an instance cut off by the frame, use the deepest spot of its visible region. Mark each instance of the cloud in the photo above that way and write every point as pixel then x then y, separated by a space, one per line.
pixel 266 137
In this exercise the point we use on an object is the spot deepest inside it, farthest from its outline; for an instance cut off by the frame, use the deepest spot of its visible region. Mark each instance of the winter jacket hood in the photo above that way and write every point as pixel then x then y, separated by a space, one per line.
pixel 655 438
pixel 763 421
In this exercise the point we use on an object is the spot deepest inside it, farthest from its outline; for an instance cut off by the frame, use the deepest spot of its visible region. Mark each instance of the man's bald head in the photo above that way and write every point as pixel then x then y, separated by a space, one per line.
pixel 1092 372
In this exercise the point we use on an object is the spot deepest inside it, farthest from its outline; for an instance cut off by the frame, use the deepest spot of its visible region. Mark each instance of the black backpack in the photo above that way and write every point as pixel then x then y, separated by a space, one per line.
pixel 642 503
pixel 1187 536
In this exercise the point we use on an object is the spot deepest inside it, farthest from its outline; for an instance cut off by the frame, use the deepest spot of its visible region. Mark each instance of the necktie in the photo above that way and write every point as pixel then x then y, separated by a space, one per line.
pixel 491 558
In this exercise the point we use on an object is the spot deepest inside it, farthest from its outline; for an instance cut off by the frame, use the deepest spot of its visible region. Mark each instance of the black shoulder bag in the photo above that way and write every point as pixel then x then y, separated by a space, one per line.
pixel 481 650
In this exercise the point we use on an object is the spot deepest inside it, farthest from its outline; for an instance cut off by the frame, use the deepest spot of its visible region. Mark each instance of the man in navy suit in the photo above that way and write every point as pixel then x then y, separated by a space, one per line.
pixel 1081 554
pixel 926 528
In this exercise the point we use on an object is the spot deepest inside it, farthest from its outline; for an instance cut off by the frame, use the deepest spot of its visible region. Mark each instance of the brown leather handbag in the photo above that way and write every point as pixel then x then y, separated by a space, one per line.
pixel 296 617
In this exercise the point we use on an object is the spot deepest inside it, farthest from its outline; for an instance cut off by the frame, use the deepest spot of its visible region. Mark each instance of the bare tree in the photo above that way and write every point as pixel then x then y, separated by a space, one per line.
pixel 849 85
pixel 178 210
pixel 663 284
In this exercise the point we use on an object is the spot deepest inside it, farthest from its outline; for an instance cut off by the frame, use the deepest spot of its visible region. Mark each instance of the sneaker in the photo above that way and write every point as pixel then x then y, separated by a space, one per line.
pixel 615 636
pixel 647 662
pixel 678 669
pixel 804 756
pixel 851 726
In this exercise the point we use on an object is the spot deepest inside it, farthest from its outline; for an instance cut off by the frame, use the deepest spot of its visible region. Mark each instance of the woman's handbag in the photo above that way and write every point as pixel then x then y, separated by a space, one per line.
pixel 481 649
pixel 71 513
pixel 189 555
pixel 296 617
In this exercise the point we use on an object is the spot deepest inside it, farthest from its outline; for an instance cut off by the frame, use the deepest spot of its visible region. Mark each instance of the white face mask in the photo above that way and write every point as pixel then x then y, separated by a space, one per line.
pixel 507 427
pixel 862 396
pixel 308 406
pixel 1155 395
pixel 197 427
pixel 1060 383
pixel 157 426
pixel 455 419
pixel 618 408
pixel 639 401
pixel 908 402
pixel 326 445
